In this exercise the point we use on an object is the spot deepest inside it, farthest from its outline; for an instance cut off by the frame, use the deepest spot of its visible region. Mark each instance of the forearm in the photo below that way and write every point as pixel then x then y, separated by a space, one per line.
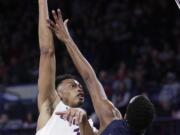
pixel 45 34
pixel 100 102
pixel 85 128
pixel 86 71
pixel 82 65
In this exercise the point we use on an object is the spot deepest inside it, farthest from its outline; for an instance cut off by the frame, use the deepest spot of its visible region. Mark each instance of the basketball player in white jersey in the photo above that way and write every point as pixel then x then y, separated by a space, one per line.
pixel 56 95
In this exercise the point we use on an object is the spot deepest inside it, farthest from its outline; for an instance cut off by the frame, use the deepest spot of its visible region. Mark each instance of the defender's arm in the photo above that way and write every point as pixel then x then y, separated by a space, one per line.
pixel 105 111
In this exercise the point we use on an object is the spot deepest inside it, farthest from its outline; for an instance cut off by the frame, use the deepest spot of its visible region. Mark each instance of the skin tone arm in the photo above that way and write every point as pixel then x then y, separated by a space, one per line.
pixel 46 81
pixel 104 109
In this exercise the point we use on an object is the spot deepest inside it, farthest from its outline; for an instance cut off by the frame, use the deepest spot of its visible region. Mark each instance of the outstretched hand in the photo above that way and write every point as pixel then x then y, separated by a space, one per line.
pixel 74 116
pixel 58 26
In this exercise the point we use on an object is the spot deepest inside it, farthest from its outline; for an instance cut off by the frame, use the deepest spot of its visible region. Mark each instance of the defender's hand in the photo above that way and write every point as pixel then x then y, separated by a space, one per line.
pixel 58 26
pixel 74 116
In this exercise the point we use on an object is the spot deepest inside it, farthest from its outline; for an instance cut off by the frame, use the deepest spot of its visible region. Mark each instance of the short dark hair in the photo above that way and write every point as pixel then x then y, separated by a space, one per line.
pixel 61 78
pixel 140 113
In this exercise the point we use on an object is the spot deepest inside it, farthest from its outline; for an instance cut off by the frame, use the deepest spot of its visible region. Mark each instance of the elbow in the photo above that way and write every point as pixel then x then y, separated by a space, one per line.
pixel 46 51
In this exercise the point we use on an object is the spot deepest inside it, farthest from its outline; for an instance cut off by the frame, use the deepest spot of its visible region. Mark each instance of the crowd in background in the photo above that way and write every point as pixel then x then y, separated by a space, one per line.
pixel 134 46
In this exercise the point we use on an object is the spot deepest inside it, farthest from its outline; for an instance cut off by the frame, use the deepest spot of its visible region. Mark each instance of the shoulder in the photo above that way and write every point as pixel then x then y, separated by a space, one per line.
pixel 118 123
pixel 117 127
pixel 112 112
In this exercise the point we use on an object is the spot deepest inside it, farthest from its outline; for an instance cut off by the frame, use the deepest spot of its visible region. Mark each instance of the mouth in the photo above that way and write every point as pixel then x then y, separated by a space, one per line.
pixel 81 95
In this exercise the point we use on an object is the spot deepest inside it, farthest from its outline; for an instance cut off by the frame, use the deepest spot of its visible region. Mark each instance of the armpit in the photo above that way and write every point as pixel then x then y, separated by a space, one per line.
pixel 47 107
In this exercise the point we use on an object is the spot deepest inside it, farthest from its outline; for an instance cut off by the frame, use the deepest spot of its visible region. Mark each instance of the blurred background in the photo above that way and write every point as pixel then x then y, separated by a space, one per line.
pixel 134 46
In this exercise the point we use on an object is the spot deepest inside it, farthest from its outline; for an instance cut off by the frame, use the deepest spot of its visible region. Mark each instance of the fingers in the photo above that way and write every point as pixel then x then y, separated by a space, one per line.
pixel 67 115
pixel 59 13
pixel 76 118
pixel 55 16
pixel 63 115
pixel 51 25
pixel 60 113
pixel 58 23
pixel 58 17
pixel 73 116
pixel 66 22
pixel 80 117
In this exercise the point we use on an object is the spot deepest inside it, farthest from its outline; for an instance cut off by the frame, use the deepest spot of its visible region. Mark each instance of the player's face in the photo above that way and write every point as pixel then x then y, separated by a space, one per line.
pixel 71 92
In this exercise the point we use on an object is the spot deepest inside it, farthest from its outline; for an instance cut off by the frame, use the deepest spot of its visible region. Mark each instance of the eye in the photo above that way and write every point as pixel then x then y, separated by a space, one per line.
pixel 80 86
pixel 73 85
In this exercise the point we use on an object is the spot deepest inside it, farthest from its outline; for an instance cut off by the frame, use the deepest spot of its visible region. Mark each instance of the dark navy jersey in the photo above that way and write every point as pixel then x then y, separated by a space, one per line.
pixel 118 127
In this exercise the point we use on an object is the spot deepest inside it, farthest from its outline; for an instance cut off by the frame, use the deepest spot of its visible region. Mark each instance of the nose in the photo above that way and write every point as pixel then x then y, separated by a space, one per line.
pixel 79 90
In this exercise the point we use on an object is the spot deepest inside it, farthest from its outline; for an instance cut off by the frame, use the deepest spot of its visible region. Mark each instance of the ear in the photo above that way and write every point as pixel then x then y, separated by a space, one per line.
pixel 59 93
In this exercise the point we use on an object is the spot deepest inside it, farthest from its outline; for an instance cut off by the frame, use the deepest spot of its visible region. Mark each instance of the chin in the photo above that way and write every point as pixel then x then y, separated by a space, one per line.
pixel 80 103
pixel 77 104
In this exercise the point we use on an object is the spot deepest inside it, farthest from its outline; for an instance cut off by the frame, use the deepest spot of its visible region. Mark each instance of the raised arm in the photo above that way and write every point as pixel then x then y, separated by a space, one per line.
pixel 105 111
pixel 46 81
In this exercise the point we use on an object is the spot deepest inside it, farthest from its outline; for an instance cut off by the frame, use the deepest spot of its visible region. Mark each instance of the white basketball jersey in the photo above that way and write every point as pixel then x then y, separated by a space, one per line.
pixel 58 126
